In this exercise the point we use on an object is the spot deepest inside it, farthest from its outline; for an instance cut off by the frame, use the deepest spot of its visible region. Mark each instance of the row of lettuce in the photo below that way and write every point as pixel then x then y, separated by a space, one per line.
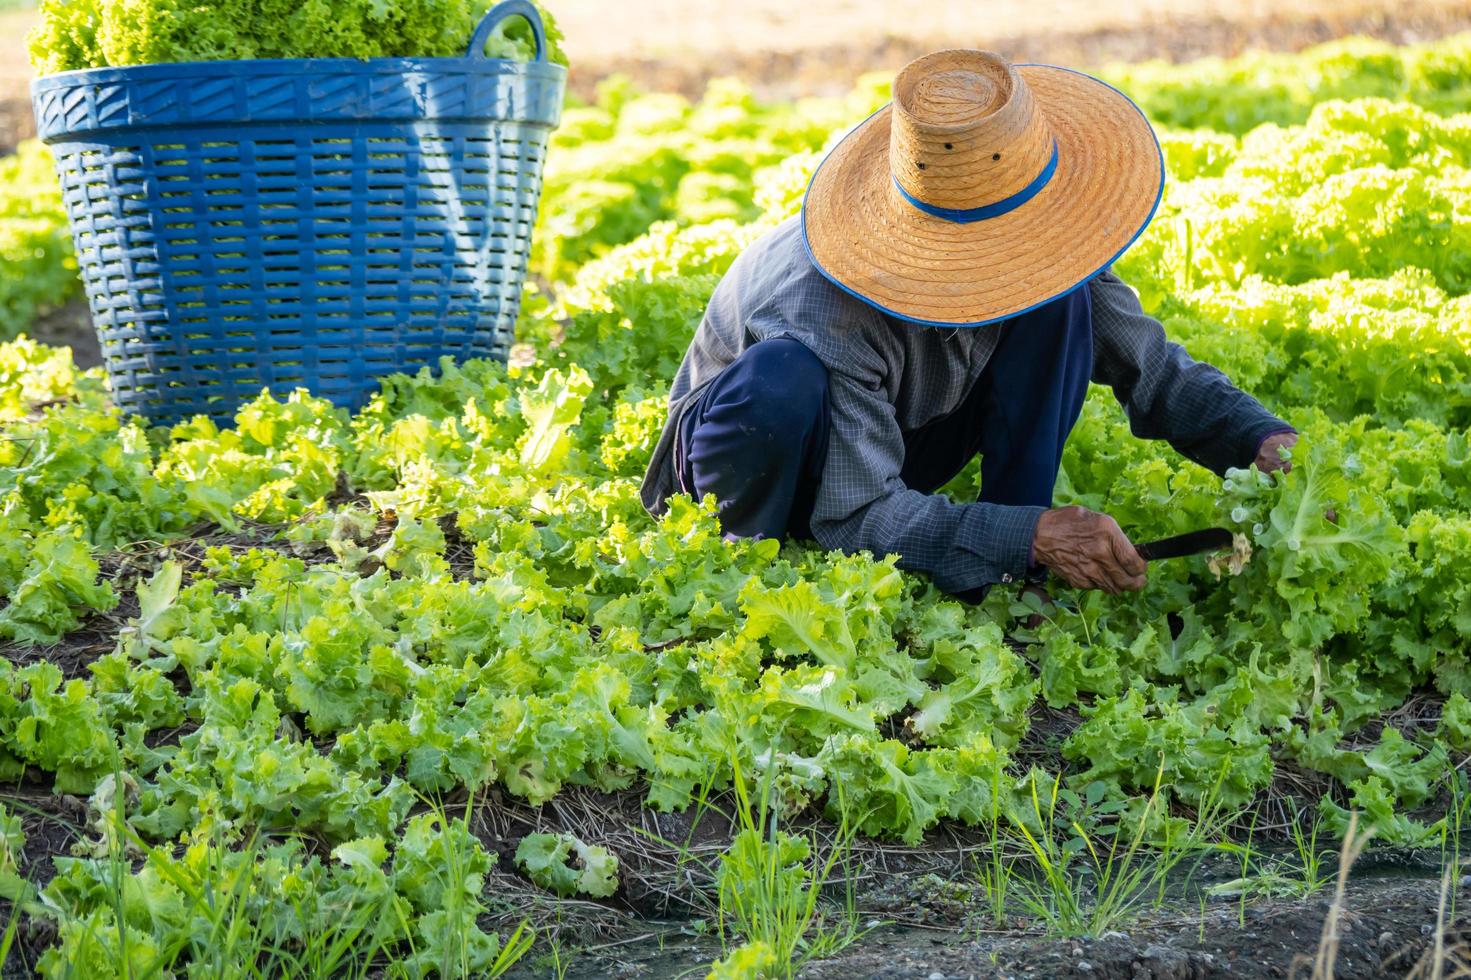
pixel 630 159
pixel 465 592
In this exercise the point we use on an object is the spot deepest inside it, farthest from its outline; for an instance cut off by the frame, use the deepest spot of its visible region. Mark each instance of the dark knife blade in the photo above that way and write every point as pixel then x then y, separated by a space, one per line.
pixel 1189 543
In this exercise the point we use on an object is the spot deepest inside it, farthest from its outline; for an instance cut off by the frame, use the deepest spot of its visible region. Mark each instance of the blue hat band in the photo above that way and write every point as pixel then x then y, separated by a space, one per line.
pixel 1003 206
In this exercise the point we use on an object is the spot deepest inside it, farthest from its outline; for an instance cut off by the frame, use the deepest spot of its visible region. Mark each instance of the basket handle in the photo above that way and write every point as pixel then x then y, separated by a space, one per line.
pixel 509 8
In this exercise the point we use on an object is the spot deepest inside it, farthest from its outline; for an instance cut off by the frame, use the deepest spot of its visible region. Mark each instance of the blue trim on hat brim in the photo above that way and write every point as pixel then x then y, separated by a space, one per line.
pixel 807 244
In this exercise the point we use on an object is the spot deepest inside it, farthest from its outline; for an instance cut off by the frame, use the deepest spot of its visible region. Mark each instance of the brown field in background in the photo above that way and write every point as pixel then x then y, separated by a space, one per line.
pixel 802 47
pixel 799 47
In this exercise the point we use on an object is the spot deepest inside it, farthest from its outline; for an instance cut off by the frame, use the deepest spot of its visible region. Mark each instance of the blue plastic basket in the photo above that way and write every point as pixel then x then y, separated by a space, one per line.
pixel 300 223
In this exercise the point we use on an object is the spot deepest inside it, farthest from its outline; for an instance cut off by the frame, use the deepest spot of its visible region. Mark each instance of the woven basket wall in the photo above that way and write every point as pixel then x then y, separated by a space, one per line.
pixel 285 224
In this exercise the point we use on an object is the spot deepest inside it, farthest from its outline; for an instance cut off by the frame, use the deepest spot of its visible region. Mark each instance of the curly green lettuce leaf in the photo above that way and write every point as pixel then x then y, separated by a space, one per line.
pixel 563 864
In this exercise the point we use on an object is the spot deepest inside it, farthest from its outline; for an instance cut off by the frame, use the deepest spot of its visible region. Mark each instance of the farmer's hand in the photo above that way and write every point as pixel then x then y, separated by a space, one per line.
pixel 1088 550
pixel 1267 460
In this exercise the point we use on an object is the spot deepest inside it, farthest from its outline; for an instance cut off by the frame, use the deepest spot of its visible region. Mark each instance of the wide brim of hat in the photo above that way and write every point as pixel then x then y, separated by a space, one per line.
pixel 866 238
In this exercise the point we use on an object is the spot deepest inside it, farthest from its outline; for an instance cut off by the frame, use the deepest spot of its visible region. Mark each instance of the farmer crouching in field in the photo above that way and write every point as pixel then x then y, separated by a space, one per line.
pixel 947 292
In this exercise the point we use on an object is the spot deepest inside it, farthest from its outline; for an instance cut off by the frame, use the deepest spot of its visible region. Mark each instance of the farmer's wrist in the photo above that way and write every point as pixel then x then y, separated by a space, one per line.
pixel 1264 433
pixel 999 537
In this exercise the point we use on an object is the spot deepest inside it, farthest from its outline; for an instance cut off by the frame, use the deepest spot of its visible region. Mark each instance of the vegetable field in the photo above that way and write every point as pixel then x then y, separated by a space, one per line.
pixel 321 694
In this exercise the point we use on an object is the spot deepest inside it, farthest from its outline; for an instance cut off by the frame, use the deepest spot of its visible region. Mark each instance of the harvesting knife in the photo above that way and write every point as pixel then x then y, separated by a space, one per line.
pixel 1189 543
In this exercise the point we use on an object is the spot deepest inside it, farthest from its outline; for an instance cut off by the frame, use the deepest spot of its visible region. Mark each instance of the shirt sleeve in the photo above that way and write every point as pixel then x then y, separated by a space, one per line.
pixel 862 504
pixel 1165 393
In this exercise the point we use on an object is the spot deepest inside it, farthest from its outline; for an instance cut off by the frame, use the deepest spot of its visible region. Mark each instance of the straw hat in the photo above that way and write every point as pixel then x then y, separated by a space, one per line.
pixel 983 190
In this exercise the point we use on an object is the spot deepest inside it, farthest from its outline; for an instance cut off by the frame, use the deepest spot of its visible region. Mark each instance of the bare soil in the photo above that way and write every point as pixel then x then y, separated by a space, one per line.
pixel 1386 929
pixel 70 326
pixel 1383 931
pixel 926 918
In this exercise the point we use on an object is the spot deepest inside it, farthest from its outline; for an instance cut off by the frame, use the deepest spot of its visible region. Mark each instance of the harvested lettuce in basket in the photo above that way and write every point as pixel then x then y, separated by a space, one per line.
pixel 77 34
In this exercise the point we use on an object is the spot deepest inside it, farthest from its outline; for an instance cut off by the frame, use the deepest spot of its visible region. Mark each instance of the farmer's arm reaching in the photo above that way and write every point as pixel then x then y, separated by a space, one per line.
pixel 1168 395
pixel 863 504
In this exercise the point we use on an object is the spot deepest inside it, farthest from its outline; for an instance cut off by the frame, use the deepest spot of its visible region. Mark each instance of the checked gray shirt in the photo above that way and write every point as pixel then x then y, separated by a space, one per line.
pixel 888 377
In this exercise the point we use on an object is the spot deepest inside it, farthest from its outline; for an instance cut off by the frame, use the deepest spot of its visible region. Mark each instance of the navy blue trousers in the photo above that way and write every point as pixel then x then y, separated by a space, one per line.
pixel 756 437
